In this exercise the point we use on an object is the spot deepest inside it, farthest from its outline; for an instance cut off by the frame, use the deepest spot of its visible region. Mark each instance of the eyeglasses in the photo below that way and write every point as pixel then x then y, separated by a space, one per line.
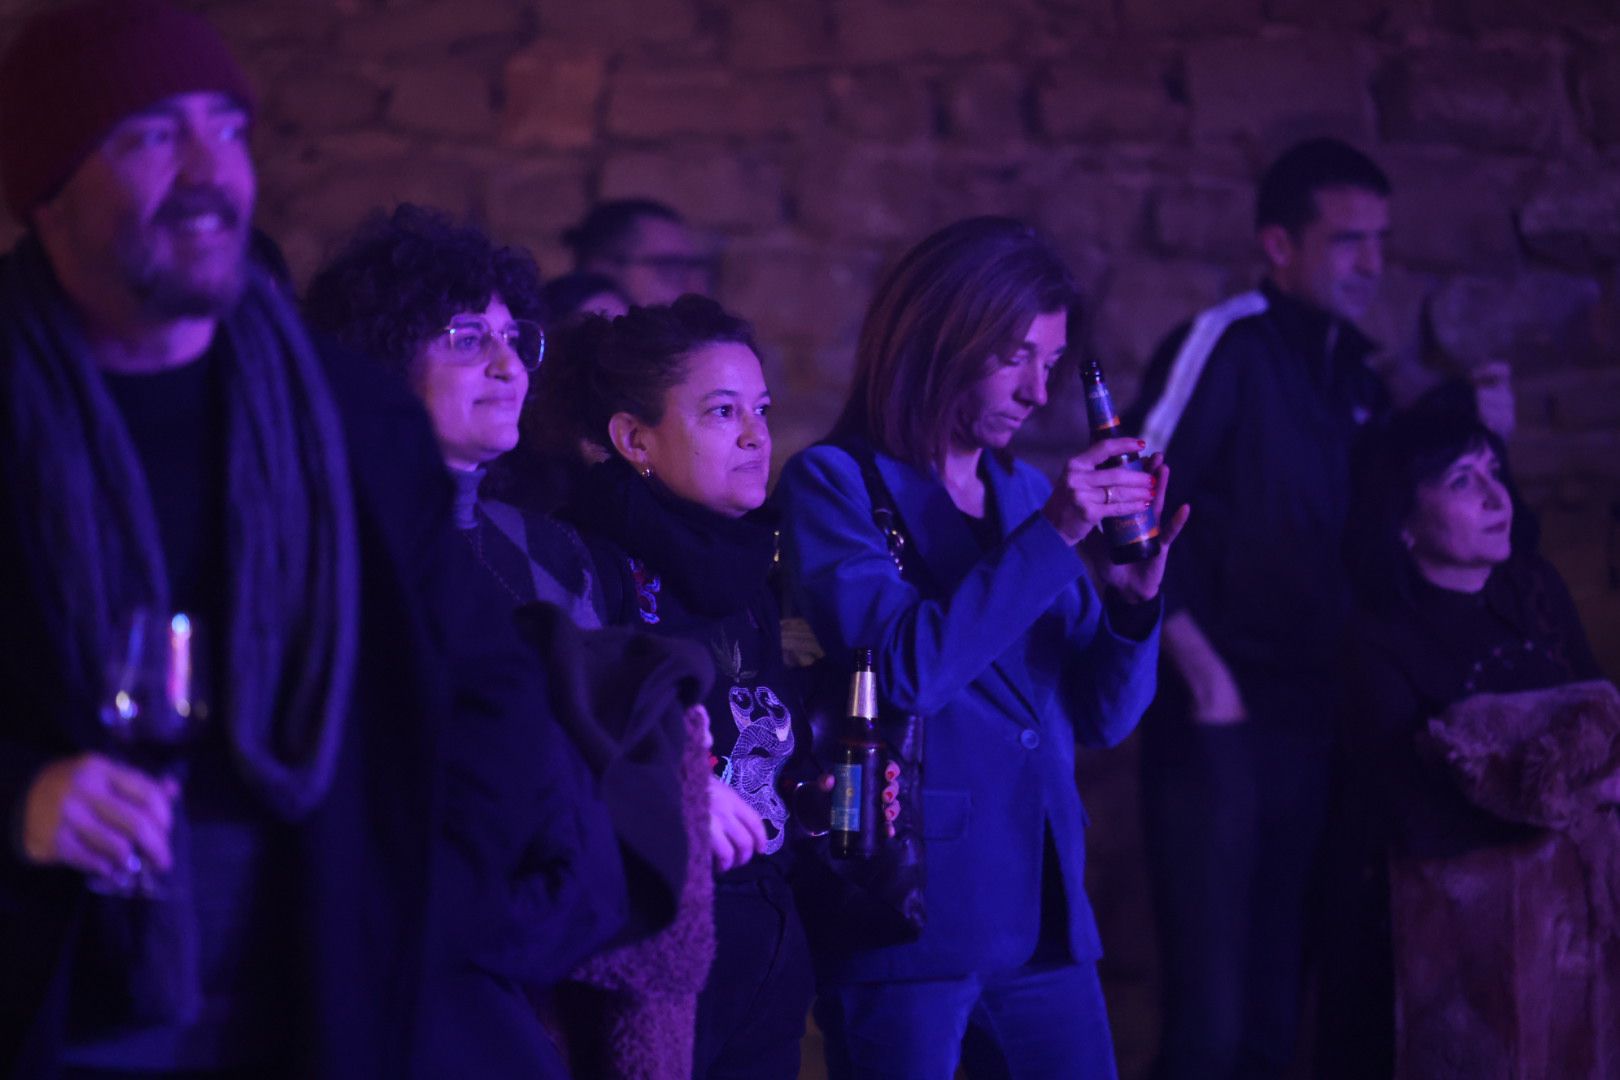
pixel 471 338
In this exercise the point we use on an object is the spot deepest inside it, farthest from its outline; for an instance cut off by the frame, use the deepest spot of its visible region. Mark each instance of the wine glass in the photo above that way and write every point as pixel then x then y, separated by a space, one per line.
pixel 153 708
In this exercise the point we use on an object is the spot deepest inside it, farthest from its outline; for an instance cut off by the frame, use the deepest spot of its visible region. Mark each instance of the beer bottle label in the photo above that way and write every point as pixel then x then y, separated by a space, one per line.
pixel 846 803
pixel 1130 528
pixel 1100 411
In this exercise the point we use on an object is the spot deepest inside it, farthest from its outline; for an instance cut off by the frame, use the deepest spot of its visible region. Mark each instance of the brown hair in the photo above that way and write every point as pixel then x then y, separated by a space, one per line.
pixel 963 296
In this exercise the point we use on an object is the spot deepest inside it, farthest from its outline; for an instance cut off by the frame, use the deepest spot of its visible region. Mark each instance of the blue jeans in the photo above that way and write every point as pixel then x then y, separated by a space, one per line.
pixel 1039 1022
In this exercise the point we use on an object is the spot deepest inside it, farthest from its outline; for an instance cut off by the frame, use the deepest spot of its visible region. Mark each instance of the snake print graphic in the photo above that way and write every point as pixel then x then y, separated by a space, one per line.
pixel 764 743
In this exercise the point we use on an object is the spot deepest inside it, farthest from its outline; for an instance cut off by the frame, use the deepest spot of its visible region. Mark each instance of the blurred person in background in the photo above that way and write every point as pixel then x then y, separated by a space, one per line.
pixel 644 246
pixel 1260 401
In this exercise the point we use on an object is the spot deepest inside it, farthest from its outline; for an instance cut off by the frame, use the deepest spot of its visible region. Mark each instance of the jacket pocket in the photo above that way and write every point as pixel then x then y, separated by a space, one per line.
pixel 945 814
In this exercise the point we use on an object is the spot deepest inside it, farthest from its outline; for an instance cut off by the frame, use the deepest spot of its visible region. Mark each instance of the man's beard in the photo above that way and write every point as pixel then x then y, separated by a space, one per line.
pixel 180 285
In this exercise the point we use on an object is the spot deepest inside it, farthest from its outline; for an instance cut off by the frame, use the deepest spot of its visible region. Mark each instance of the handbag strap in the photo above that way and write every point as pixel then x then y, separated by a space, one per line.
pixel 885 514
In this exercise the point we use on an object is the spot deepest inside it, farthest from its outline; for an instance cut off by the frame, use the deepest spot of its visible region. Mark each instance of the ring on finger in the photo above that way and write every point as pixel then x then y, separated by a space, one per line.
pixel 1108 494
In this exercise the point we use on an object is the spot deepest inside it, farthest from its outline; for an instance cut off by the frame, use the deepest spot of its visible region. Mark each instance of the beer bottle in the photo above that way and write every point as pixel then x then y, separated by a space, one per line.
pixel 857 808
pixel 1134 536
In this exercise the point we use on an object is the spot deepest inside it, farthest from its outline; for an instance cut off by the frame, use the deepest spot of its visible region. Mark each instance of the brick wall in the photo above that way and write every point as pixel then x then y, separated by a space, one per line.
pixel 815 138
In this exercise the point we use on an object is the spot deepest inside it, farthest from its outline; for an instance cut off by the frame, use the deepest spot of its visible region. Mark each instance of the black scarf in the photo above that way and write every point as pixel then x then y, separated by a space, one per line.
pixel 293 593
pixel 716 565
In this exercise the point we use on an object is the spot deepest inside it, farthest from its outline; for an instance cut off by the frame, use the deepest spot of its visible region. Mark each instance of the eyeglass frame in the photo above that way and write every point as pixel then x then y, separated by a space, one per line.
pixel 480 324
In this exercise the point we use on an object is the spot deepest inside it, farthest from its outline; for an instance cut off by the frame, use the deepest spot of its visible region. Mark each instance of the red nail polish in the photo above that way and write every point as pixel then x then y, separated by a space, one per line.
pixel 1141 442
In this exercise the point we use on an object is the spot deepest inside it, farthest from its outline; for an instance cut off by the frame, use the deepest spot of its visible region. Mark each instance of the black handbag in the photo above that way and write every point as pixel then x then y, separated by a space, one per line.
pixel 865 903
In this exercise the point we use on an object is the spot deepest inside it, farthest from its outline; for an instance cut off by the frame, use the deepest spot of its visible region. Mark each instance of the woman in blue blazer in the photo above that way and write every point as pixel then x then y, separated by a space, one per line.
pixel 1015 641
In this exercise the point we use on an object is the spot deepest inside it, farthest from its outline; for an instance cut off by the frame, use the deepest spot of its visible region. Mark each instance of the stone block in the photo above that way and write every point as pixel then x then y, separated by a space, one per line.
pixel 349 193
pixel 1191 17
pixel 983 180
pixel 1396 323
pixel 1112 98
pixel 1498 15
pixel 1085 207
pixel 1570 400
pixel 536 200
pixel 551 94
pixel 1142 301
pixel 884 31
pixel 775 35
pixel 1598 78
pixel 619 24
pixel 891 106
pixel 1482 99
pixel 867 193
pixel 714 185
pixel 986 104
pixel 710 101
pixel 450 100
pixel 1212 219
pixel 1540 454
pixel 1452 210
pixel 256 26
pixel 1572 217
pixel 1343 14
pixel 794 292
pixel 430 27
pixel 1276 90
pixel 1537 319
pixel 320 100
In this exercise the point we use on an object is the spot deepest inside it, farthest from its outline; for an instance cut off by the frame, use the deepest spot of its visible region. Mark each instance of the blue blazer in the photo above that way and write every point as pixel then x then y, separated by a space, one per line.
pixel 1011 658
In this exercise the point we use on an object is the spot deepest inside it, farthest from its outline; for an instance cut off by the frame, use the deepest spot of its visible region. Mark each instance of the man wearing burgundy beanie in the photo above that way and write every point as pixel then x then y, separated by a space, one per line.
pixel 270 782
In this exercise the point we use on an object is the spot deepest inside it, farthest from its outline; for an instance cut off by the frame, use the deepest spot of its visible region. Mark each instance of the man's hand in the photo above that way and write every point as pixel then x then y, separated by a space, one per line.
pixel 96 815
pixel 1215 695
pixel 1493 396
pixel 736 832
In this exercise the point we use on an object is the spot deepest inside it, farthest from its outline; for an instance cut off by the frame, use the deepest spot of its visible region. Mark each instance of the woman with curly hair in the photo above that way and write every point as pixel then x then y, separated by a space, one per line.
pixel 459 318
pixel 453 313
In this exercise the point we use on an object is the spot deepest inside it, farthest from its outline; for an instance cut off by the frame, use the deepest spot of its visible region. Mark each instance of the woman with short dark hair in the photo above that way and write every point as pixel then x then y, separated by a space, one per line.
pixel 675 400
pixel 1011 645
pixel 1454 603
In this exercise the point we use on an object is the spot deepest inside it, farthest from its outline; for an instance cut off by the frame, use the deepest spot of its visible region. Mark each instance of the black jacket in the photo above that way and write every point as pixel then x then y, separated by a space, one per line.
pixel 457 855
pixel 1263 453
pixel 672 568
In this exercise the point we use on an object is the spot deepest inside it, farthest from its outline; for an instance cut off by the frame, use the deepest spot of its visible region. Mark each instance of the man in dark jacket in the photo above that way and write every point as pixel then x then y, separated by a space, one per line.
pixel 352 861
pixel 1257 404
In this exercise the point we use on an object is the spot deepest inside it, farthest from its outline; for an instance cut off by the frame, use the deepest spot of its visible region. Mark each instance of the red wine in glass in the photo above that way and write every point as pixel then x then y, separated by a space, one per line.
pixel 153 709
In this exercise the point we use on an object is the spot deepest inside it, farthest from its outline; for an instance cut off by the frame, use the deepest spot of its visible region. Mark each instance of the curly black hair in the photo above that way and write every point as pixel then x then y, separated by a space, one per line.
pixel 402 276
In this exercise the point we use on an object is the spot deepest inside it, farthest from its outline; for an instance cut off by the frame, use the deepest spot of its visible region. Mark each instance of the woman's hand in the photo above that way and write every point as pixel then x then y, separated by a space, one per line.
pixel 736 833
pixel 824 784
pixel 1085 495
pixel 1139 582
pixel 93 814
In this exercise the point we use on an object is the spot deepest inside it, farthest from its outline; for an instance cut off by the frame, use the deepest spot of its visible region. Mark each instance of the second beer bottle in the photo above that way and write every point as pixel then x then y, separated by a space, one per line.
pixel 857 808
pixel 1134 536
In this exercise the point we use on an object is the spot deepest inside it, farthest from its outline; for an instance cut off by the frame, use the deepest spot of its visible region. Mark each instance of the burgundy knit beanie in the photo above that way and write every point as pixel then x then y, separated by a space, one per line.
pixel 71 74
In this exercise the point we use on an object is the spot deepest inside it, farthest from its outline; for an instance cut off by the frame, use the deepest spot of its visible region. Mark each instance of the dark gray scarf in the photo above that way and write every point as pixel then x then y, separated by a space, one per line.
pixel 291 555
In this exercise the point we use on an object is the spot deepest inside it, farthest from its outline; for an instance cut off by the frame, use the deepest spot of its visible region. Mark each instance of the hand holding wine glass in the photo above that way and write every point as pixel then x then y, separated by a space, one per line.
pixel 113 816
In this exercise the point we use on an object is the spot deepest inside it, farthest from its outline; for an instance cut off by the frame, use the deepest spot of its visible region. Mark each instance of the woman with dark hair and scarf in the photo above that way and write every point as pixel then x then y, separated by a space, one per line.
pixel 1453 602
pixel 676 399
pixel 1012 646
